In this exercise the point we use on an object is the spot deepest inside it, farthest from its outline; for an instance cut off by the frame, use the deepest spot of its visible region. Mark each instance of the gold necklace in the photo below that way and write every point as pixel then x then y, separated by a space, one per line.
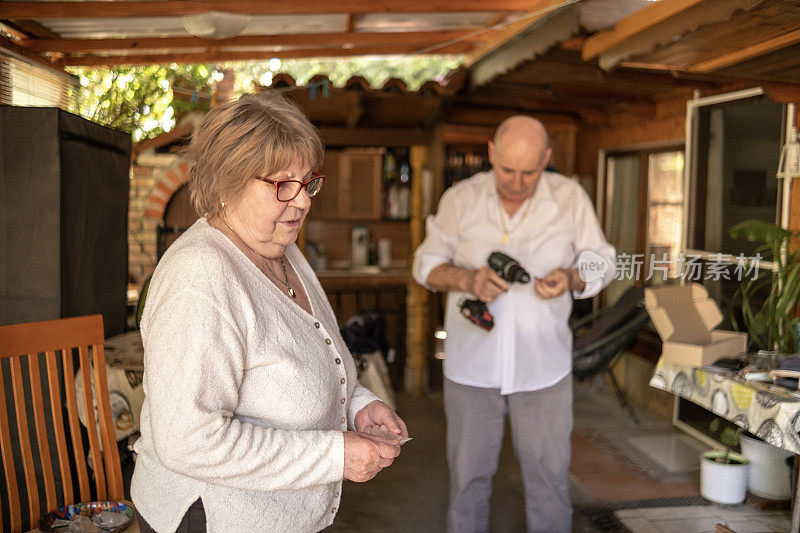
pixel 289 290
pixel 507 232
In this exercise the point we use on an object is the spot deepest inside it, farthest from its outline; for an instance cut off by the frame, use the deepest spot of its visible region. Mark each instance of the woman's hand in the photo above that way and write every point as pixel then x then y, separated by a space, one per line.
pixel 365 456
pixel 377 413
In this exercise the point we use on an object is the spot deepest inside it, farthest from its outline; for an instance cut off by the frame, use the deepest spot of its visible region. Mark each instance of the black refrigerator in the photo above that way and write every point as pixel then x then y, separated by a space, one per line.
pixel 63 217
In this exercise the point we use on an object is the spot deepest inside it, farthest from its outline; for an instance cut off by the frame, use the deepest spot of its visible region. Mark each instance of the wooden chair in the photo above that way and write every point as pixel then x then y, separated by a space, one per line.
pixel 41 345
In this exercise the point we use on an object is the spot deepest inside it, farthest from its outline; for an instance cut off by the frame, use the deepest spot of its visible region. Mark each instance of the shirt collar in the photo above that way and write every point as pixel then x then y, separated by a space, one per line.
pixel 543 189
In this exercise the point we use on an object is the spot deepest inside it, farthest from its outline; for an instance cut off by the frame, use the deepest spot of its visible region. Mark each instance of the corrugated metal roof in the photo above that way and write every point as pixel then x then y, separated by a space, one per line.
pixel 103 28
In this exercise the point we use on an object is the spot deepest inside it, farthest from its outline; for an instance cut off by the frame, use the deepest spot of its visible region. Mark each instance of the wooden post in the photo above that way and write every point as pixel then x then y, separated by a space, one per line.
pixel 417 296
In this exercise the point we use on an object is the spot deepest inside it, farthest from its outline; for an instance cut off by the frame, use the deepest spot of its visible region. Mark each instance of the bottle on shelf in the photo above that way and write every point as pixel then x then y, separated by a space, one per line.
pixel 389 178
pixel 404 192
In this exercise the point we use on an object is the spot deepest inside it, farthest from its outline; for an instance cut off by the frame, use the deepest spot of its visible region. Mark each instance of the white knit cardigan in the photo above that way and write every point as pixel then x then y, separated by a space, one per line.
pixel 246 394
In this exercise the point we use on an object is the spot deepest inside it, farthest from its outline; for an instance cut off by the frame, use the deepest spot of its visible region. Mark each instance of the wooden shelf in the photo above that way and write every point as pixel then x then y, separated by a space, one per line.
pixel 347 278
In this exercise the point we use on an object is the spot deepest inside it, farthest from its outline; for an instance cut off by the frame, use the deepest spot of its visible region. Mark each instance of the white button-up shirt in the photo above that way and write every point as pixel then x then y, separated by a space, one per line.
pixel 530 346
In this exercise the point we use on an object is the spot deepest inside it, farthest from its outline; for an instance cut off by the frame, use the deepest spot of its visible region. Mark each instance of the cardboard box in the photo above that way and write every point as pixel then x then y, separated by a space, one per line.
pixel 685 317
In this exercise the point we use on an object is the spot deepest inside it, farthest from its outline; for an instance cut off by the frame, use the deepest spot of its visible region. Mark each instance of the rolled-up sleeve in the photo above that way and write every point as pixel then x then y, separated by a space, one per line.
pixel 440 239
pixel 591 246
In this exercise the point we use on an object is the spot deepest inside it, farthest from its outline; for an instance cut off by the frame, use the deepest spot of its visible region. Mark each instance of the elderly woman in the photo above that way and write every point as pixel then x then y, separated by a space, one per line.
pixel 253 414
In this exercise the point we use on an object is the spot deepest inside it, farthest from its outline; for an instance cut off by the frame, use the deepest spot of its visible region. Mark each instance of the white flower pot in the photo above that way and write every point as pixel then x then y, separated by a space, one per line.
pixel 720 482
pixel 770 476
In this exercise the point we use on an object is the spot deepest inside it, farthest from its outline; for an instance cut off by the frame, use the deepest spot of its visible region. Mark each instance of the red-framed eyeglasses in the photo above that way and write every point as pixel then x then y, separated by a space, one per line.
pixel 287 190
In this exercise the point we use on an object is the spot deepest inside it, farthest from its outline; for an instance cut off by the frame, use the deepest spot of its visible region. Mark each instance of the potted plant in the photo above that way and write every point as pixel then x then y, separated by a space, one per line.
pixel 770 471
pixel 723 473
pixel 769 298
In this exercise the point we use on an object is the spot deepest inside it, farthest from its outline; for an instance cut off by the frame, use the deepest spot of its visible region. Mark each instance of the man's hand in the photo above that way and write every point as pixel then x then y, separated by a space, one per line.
pixel 487 285
pixel 365 456
pixel 377 413
pixel 558 282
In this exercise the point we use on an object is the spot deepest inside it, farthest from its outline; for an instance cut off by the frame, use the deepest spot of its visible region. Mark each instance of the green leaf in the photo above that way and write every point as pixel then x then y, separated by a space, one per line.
pixel 759 231
pixel 728 437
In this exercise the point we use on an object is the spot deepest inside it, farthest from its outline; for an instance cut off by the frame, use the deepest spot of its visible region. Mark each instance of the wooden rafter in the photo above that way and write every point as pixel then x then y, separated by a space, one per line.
pixel 158 8
pixel 13 47
pixel 352 19
pixel 176 43
pixel 31 28
pixel 750 52
pixel 533 104
pixel 566 94
pixel 492 116
pixel 675 42
pixel 630 82
pixel 212 56
pixel 633 25
pixel 15 32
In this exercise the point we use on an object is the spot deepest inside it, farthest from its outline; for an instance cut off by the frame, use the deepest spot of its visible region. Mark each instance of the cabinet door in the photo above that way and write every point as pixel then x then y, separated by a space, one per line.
pixel 362 197
pixel 326 203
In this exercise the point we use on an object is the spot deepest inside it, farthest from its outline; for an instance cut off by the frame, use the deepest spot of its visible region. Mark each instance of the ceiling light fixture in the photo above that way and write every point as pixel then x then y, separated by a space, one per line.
pixel 215 24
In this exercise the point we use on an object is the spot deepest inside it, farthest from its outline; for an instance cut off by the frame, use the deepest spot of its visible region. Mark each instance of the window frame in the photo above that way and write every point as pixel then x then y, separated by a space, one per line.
pixel 783 202
pixel 643 151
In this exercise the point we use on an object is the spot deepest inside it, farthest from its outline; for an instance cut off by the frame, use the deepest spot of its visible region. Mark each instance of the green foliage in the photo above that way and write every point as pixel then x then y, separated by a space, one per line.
pixel 727 436
pixel 768 300
pixel 139 100
pixel 136 100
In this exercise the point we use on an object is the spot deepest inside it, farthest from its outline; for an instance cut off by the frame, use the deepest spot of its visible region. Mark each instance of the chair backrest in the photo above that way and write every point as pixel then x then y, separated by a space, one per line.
pixel 47 350
pixel 631 302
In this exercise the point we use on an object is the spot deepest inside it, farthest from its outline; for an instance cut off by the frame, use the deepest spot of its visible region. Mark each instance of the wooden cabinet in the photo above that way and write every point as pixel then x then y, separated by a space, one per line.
pixel 352 189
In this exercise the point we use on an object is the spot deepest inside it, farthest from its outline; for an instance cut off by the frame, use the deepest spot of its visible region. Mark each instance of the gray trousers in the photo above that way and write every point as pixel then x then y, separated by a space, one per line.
pixel 541 423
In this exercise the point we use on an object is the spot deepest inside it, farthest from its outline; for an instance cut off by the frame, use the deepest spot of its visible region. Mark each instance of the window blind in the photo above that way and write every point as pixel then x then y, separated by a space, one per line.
pixel 26 84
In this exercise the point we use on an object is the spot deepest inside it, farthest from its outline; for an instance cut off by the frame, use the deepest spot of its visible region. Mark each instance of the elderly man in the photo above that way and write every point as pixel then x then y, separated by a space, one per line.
pixel 522 367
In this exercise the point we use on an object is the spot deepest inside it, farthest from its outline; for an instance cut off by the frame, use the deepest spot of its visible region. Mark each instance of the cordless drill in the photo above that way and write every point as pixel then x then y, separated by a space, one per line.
pixel 507 268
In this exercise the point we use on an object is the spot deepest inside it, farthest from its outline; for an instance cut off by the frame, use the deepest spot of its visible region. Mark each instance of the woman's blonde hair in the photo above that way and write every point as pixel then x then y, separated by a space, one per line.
pixel 256 135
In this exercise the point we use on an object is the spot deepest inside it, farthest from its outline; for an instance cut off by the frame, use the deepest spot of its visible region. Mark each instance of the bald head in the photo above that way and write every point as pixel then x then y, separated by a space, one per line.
pixel 519 153
pixel 522 132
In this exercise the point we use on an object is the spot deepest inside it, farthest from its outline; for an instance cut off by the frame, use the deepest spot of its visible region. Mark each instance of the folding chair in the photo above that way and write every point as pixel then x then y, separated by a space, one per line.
pixel 601 337
pixel 37 362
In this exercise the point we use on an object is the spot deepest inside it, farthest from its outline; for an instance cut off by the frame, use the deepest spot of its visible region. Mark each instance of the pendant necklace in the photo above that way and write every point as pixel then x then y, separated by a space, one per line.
pixel 507 232
pixel 289 290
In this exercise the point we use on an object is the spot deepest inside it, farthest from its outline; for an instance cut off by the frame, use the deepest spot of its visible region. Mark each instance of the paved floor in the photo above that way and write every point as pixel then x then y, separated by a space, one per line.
pixel 411 495
pixel 613 461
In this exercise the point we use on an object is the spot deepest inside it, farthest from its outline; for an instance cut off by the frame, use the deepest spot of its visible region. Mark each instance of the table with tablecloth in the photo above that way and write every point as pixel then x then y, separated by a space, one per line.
pixel 772 413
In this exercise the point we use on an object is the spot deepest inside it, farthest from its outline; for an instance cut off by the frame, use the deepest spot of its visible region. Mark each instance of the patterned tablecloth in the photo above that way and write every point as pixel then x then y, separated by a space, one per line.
pixel 773 415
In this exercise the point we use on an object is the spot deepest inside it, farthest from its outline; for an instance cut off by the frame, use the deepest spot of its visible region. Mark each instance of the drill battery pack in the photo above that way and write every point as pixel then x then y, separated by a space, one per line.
pixel 476 312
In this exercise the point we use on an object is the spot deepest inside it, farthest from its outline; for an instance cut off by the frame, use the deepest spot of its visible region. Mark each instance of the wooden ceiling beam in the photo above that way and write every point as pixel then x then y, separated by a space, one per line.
pixel 31 28
pixel 215 56
pixel 634 24
pixel 750 52
pixel 338 136
pixel 327 40
pixel 569 94
pixel 545 72
pixel 352 19
pixel 158 8
pixel 493 116
pixel 15 32
pixel 13 47
pixel 527 103
pixel 663 42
